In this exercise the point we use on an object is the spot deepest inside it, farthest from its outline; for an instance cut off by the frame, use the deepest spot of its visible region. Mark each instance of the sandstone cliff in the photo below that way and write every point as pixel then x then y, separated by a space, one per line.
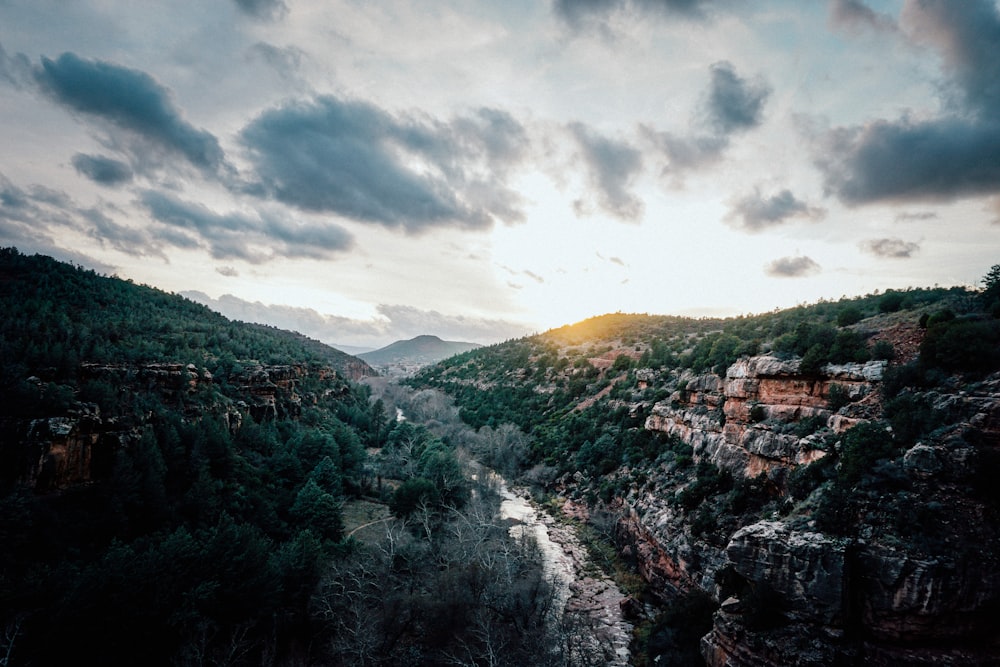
pixel 78 446
pixel 912 579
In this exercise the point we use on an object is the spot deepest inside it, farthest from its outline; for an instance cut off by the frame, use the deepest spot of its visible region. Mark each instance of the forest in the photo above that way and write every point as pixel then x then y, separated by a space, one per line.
pixel 176 489
pixel 180 489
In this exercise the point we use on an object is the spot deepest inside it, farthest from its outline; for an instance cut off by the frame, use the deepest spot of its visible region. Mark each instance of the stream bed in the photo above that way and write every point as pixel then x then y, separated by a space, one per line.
pixel 586 600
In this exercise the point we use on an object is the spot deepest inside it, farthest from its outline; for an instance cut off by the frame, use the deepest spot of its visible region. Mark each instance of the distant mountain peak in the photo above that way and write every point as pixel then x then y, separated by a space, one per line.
pixel 406 355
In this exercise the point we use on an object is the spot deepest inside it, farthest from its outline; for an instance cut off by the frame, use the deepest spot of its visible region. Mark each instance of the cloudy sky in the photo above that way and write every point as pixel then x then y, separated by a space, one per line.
pixel 368 171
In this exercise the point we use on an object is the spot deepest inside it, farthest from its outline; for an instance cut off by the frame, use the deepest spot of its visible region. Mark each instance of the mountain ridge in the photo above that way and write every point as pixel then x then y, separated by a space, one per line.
pixel 417 351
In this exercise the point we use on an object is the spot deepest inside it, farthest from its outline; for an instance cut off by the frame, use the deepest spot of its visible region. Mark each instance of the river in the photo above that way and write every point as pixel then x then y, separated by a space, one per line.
pixel 585 601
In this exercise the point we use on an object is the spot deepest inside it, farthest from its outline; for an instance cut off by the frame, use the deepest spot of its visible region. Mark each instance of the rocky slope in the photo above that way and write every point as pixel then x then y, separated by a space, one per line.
pixel 79 445
pixel 834 496
pixel 793 595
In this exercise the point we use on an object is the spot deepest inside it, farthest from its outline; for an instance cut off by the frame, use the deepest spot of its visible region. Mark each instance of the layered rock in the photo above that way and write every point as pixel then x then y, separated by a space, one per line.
pixel 736 422
pixel 854 602
pixel 78 447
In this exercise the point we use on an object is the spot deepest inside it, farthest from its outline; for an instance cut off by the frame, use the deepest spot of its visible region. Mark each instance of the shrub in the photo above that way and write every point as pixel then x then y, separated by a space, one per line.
pixel 803 480
pixel 411 494
pixel 837 397
pixel 970 346
pixel 891 302
pixel 848 316
pixel 883 351
pixel 862 446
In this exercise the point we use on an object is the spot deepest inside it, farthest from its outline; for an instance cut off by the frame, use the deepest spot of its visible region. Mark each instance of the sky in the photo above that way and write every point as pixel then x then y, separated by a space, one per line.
pixel 367 171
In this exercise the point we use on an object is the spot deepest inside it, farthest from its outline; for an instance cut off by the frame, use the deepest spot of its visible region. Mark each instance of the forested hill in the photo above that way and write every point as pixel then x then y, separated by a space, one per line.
pixel 171 482
pixel 809 486
pixel 180 489
pixel 56 316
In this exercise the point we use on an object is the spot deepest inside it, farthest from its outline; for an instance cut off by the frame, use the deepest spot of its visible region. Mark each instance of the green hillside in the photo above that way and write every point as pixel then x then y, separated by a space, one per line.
pixel 711 452
pixel 180 489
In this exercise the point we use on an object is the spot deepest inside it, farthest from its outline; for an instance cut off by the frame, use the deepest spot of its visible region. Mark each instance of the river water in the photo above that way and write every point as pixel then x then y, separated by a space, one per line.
pixel 585 601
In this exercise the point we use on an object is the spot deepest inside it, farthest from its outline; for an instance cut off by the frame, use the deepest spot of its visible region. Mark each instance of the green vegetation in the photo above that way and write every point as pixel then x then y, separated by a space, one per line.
pixel 195 515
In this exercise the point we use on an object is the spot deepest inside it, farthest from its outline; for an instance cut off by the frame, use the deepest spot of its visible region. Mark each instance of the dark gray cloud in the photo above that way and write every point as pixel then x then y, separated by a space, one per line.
pixel 612 167
pixel 792 267
pixel 755 212
pixel 854 15
pixel 686 153
pixel 412 172
pixel 892 248
pixel 131 100
pixel 579 13
pixel 967 34
pixel 253 238
pixel 101 169
pixel 263 9
pixel 286 61
pixel 734 103
pixel 905 160
pixel 916 217
pixel 945 158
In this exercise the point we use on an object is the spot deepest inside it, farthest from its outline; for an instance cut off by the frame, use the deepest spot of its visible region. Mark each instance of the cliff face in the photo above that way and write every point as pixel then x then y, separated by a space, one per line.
pixel 737 422
pixel 914 581
pixel 79 446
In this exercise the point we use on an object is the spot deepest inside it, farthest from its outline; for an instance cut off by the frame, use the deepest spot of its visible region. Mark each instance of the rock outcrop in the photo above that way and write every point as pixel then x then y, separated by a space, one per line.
pixel 79 446
pixel 858 603
pixel 740 422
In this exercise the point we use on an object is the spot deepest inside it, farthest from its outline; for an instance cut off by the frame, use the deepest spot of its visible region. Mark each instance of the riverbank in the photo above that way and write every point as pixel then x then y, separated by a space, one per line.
pixel 588 602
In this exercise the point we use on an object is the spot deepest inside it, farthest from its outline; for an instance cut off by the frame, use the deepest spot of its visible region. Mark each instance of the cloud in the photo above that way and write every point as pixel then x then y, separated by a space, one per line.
pixel 731 105
pixel 916 217
pixel 891 248
pixel 953 156
pixel 967 34
pixel 263 9
pixel 754 213
pixel 685 153
pixel 853 15
pixel 255 238
pixel 411 172
pixel 391 323
pixel 734 103
pixel 102 170
pixel 130 100
pixel 935 160
pixel 227 271
pixel 579 13
pixel 792 267
pixel 612 167
pixel 15 70
pixel 35 217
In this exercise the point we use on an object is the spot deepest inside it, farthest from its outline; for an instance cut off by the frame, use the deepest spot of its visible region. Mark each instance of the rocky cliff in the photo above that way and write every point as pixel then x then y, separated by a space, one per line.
pixel 911 575
pixel 78 445
pixel 741 422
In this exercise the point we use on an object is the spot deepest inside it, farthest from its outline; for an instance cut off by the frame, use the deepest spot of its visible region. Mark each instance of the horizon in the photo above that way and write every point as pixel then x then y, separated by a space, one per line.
pixel 365 173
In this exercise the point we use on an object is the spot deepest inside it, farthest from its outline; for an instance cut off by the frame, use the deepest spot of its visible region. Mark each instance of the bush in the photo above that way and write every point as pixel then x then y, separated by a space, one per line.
pixel 848 316
pixel 891 302
pixel 969 346
pixel 837 397
pixel 411 494
pixel 803 480
pixel 862 446
pixel 883 351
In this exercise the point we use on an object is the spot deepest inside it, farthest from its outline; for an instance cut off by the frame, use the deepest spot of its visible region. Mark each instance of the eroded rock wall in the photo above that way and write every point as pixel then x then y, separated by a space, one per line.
pixel 737 422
